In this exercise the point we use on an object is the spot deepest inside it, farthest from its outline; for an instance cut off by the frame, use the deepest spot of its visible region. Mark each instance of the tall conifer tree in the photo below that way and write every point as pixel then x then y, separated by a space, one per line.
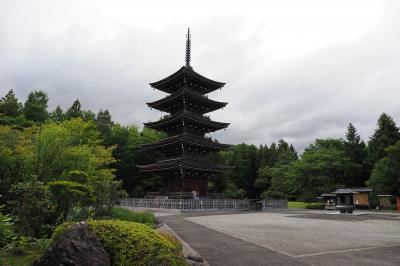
pixel 387 134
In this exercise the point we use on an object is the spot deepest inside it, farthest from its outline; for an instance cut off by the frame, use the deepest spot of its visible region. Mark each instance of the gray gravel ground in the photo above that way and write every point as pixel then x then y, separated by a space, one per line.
pixel 304 234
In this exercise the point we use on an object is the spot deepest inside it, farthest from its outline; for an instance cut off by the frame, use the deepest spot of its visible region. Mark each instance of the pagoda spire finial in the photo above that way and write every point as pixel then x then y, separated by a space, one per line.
pixel 187 58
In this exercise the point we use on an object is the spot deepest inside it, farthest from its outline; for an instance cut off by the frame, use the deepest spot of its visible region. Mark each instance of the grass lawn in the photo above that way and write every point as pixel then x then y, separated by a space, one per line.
pixel 131 216
pixel 296 204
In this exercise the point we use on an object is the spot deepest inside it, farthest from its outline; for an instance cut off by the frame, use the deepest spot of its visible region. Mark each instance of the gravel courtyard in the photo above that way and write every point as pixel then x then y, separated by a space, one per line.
pixel 307 233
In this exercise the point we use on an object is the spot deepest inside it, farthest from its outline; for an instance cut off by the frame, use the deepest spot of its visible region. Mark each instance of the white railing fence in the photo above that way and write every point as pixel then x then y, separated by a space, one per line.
pixel 202 205
pixel 274 204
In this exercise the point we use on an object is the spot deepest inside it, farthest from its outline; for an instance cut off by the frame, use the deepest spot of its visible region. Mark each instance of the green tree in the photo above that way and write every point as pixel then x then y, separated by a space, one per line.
pixel 9 105
pixel 385 177
pixel 6 228
pixel 244 158
pixel 74 111
pixel 57 115
pixel 32 209
pixel 104 124
pixel 385 135
pixel 35 107
pixel 320 169
pixel 67 195
pixel 356 150
pixel 128 154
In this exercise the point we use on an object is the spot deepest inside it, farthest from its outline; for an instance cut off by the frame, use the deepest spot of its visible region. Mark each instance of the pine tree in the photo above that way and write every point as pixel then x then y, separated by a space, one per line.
pixel 35 107
pixel 57 115
pixel 104 124
pixel 355 149
pixel 385 135
pixel 74 111
pixel 9 105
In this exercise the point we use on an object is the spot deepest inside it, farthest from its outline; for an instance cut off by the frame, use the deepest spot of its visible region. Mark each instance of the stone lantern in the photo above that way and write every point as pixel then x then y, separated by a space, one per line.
pixel 345 200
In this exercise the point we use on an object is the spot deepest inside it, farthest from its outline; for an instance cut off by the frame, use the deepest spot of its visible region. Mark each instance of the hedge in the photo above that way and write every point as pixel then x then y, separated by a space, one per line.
pixel 131 243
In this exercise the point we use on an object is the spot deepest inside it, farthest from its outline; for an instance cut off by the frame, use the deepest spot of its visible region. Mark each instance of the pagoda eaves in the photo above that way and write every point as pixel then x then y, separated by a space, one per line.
pixel 187 77
pixel 192 100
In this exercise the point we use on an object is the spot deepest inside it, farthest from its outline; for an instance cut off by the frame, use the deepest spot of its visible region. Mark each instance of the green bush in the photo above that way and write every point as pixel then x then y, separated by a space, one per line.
pixel 24 245
pixel 135 244
pixel 33 213
pixel 6 230
pixel 315 206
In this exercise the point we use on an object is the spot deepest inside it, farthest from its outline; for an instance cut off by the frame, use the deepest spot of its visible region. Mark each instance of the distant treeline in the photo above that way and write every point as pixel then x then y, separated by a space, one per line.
pixel 274 171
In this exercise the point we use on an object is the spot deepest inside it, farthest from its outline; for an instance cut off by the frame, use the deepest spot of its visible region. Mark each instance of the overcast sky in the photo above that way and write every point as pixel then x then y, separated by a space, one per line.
pixel 296 70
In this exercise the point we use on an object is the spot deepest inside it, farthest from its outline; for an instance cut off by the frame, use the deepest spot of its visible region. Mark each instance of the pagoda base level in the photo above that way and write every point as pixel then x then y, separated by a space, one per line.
pixel 194 187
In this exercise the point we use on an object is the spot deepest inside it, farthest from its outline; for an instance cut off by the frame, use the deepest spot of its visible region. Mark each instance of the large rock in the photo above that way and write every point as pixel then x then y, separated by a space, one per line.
pixel 76 246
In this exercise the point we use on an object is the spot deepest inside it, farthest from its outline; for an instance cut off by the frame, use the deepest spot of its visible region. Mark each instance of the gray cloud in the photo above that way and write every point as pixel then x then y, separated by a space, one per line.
pixel 78 50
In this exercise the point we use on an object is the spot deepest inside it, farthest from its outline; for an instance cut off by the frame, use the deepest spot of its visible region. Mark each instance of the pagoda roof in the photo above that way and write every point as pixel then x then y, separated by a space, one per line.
pixel 184 162
pixel 184 76
pixel 186 139
pixel 208 124
pixel 165 103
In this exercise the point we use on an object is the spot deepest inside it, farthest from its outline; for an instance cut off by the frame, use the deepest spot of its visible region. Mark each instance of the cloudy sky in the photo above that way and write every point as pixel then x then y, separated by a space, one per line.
pixel 296 70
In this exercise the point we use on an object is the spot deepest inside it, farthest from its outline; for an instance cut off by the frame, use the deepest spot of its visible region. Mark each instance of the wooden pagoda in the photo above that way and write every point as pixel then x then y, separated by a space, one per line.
pixel 186 166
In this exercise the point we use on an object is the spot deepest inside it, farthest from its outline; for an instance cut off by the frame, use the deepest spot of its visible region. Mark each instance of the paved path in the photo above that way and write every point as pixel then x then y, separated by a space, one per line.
pixel 222 249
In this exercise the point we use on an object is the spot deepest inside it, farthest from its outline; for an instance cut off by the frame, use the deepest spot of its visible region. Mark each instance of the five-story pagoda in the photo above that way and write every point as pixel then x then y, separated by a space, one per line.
pixel 186 166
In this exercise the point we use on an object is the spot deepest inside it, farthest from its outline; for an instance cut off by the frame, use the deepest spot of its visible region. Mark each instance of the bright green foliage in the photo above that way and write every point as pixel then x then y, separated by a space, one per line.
pixel 35 107
pixel 385 177
pixel 33 212
pixel 122 214
pixel 6 230
pixel 322 166
pixel 16 156
pixel 68 151
pixel 385 135
pixel 296 204
pixel 67 195
pixel 136 244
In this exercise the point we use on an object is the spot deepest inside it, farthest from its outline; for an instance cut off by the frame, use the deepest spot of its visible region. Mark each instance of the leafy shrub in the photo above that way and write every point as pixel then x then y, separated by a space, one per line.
pixel 34 214
pixel 135 244
pixel 315 206
pixel 6 230
pixel 173 240
pixel 67 195
pixel 24 245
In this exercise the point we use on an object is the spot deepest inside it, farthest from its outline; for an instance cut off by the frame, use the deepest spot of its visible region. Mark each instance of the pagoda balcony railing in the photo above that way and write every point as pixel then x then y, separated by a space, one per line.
pixel 196 115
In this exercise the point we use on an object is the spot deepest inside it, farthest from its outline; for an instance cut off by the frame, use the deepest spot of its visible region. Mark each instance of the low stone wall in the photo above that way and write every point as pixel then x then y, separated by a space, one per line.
pixel 203 205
